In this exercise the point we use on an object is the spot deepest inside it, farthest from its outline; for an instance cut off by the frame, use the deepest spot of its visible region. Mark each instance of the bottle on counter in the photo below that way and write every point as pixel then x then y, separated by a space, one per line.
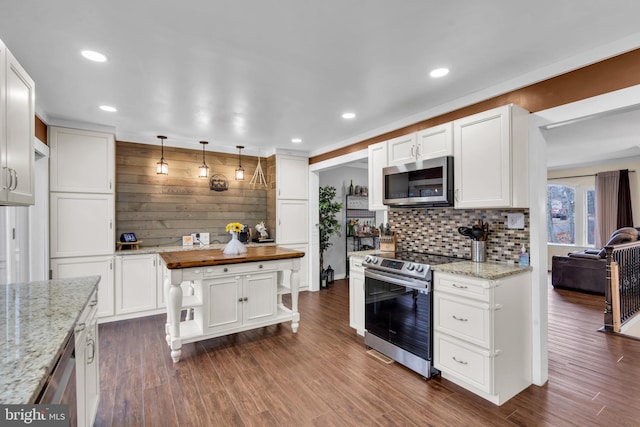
pixel 523 258
pixel 351 188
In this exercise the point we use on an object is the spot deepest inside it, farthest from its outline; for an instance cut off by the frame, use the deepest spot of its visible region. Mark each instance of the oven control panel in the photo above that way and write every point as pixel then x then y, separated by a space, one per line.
pixel 405 268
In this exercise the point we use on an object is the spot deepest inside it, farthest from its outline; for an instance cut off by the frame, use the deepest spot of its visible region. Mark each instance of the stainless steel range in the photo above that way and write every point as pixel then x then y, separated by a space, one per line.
pixel 399 307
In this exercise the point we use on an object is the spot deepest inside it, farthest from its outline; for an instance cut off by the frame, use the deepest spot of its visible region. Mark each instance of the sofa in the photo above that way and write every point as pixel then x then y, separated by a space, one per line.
pixel 586 271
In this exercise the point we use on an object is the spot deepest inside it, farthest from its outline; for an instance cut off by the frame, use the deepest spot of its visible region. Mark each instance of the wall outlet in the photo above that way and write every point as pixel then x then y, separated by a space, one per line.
pixel 199 238
pixel 515 220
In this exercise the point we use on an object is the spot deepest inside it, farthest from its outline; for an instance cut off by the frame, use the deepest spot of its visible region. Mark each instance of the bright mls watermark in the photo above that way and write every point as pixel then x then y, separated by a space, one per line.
pixel 34 415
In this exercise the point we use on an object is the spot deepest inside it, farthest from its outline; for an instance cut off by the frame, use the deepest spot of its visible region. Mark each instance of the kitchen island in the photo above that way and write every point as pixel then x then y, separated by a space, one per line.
pixel 210 294
pixel 37 319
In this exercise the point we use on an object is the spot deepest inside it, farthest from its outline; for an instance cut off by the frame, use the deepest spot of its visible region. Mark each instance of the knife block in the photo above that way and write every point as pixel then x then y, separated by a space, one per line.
pixel 388 243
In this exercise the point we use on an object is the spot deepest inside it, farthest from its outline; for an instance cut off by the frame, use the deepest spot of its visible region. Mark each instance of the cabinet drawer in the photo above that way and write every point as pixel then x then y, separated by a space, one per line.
pixel 465 319
pixel 196 273
pixel 463 286
pixel 471 365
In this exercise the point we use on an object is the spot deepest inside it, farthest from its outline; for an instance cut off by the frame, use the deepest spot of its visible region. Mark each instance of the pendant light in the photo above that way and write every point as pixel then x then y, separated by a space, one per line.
pixel 204 169
pixel 239 171
pixel 162 167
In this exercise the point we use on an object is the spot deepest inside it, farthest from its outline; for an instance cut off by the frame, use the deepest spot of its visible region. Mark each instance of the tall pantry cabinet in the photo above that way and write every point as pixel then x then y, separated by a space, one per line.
pixel 292 209
pixel 82 178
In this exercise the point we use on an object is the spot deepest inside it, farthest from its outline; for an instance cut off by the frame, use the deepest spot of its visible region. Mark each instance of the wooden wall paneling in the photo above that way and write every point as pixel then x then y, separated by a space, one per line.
pixel 41 130
pixel 161 209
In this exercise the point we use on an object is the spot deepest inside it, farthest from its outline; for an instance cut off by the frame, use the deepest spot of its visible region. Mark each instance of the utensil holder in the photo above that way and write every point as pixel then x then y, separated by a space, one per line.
pixel 478 251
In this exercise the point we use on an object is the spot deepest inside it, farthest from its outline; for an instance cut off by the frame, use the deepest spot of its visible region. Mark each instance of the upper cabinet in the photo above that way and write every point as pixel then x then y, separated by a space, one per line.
pixel 292 177
pixel 377 161
pixel 425 144
pixel 17 128
pixel 490 159
pixel 81 161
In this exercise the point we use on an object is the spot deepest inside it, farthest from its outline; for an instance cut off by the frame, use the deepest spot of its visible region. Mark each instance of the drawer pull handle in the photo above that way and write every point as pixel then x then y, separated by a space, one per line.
pixel 462 362
pixel 455 285
pixel 461 319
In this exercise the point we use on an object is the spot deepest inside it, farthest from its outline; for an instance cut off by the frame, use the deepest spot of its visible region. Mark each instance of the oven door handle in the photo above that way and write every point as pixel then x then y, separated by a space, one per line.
pixel 405 281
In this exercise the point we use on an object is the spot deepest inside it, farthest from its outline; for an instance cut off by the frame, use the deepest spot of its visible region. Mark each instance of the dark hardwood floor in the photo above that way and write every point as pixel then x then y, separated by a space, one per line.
pixel 322 376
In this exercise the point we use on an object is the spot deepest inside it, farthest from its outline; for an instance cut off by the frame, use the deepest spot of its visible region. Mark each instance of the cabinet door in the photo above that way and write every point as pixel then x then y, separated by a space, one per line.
pixel 292 177
pixel 377 161
pixel 20 129
pixel 356 295
pixel 435 142
pixel 402 149
pixel 81 161
pixel 135 283
pixel 63 268
pixel 293 222
pixel 224 303
pixel 81 224
pixel 482 161
pixel 259 297
pixel 81 374
pixel 91 372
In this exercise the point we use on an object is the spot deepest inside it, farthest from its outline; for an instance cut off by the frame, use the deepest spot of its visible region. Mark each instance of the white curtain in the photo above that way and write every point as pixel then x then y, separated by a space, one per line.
pixel 607 187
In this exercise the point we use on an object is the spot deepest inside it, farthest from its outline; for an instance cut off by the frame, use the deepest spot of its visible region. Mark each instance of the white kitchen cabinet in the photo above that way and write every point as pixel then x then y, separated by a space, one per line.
pixel 377 161
pixel 356 294
pixel 491 159
pixel 292 177
pixel 240 300
pixel 136 284
pixel 81 161
pixel 87 365
pixel 402 149
pixel 17 128
pixel 292 221
pixel 482 338
pixel 435 142
pixel 63 268
pixel 81 224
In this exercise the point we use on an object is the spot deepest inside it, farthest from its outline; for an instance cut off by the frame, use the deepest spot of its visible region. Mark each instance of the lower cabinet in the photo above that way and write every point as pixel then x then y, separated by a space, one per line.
pixel 356 294
pixel 62 268
pixel 136 284
pixel 240 300
pixel 482 338
pixel 87 364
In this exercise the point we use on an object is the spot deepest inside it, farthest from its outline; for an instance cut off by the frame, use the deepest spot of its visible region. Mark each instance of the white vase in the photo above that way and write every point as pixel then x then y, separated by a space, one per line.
pixel 234 247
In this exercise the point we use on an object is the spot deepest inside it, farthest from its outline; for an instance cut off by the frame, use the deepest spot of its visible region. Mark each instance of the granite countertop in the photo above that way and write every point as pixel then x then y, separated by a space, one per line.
pixel 482 270
pixel 207 257
pixel 36 319
pixel 160 249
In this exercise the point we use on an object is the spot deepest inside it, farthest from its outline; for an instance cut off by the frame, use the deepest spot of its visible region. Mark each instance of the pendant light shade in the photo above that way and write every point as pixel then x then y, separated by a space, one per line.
pixel 203 170
pixel 162 167
pixel 239 171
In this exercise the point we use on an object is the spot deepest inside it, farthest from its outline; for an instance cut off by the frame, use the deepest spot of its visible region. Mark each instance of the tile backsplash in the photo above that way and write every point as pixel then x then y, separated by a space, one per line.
pixel 435 230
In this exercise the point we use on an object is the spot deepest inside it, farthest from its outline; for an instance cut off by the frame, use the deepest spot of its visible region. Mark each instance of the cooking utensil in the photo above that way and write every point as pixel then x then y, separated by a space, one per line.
pixel 477 233
pixel 465 231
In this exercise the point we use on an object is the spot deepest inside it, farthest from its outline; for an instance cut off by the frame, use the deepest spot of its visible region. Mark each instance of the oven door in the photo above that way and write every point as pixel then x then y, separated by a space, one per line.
pixel 398 310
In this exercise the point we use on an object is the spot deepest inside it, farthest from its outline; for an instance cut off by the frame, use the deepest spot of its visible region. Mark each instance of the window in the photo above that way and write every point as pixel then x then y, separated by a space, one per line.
pixel 570 214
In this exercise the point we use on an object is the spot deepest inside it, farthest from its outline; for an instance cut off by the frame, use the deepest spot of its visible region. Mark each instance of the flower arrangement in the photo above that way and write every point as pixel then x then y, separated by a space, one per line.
pixel 234 226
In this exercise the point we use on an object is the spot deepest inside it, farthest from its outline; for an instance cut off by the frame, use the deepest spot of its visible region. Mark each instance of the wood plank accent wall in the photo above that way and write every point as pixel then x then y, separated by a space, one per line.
pixel 612 74
pixel 161 209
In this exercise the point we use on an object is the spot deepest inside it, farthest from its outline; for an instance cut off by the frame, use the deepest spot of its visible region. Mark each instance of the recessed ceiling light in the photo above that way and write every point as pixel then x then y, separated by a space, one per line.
pixel 108 108
pixel 296 140
pixel 348 115
pixel 439 72
pixel 92 55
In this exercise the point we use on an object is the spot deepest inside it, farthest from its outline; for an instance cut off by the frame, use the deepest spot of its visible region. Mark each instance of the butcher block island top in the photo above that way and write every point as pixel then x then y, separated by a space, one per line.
pixel 226 294
pixel 207 257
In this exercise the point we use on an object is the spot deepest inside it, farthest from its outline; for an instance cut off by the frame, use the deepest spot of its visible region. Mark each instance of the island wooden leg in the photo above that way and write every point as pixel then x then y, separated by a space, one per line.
pixel 174 304
pixel 295 285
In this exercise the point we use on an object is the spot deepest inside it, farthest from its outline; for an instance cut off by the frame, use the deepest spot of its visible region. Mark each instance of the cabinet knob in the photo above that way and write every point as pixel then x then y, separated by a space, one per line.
pixel 245 299
pixel 225 269
pixel 260 266
pixel 240 299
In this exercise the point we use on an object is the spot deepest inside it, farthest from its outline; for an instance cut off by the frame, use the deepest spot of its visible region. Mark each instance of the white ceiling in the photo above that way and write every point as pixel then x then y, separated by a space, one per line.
pixel 258 73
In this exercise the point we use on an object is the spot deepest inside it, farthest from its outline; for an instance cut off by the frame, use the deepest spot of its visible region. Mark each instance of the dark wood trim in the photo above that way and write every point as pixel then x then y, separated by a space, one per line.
pixel 41 130
pixel 611 74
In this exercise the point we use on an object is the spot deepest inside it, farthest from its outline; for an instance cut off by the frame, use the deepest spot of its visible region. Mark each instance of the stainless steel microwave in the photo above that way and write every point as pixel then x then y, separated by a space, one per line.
pixel 422 183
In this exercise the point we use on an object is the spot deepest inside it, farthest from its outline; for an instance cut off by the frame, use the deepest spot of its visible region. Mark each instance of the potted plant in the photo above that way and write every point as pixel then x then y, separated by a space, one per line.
pixel 328 224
